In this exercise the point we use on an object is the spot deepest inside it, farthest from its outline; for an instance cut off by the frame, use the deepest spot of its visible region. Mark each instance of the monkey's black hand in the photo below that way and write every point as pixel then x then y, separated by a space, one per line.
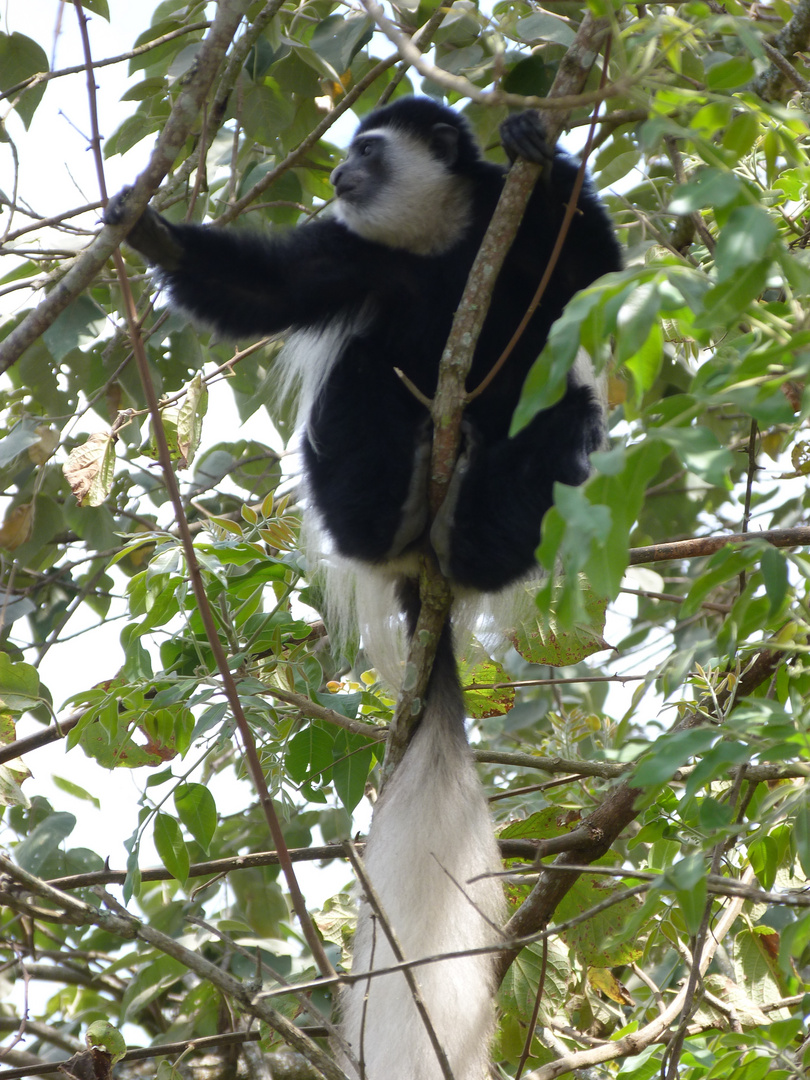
pixel 523 135
pixel 116 209
pixel 151 235
pixel 441 531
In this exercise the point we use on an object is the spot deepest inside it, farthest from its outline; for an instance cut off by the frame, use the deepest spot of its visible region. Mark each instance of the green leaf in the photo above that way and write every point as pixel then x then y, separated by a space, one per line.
pixel 645 364
pixel 171 847
pixel 730 74
pixel 793 941
pixel 700 451
pixel 711 188
pixel 745 238
pixel 530 75
pixel 615 494
pixel 20 58
pixel 541 825
pixel 584 318
pixel 352 756
pixel 801 837
pixel 741 134
pixel 309 752
pixel 152 979
pixel 77 792
pixel 688 880
pixel 519 988
pixel 19 685
pixel 669 753
pixel 715 763
pixel 726 564
pixel 540 27
pixel 541 637
pixel 101 8
pixel 775 574
pixel 593 940
pixel 477 668
pixel 79 324
pixel 197 811
pixel 21 436
pixel 725 303
pixel 337 39
pixel 639 310
pixel 643 1066
pixel 132 882
pixel 43 841
pixel 764 855
pixel 102 1034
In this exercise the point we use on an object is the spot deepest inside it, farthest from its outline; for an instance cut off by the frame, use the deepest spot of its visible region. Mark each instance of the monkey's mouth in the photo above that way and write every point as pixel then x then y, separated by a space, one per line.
pixel 348 191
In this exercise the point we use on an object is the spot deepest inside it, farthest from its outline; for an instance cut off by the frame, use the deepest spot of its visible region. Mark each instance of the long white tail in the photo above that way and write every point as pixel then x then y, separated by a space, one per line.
pixel 431 834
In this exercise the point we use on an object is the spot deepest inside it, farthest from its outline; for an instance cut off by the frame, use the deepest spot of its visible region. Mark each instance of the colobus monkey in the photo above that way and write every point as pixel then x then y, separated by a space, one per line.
pixel 368 290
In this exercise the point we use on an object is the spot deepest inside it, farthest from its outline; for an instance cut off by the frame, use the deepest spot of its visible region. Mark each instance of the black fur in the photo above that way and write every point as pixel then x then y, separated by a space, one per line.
pixel 365 427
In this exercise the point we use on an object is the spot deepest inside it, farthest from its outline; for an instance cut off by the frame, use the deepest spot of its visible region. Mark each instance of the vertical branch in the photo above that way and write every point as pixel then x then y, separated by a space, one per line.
pixel 194 572
pixel 749 486
pixel 449 401
pixel 670 1069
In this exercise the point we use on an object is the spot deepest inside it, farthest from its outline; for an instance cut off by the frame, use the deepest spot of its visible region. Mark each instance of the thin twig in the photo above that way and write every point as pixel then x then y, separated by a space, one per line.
pixel 373 900
pixel 192 564
pixel 798 536
pixel 141 1053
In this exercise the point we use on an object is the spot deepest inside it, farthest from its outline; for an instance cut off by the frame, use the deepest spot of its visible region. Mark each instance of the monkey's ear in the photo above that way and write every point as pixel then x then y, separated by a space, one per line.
pixel 444 143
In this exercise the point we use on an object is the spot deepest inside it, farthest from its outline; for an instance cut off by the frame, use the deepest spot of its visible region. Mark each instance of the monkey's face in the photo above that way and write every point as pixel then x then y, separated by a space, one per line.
pixel 365 173
pixel 399 190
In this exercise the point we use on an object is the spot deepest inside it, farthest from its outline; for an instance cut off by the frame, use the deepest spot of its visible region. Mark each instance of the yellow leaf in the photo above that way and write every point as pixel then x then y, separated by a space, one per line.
pixel 48 442
pixel 90 468
pixel 603 980
pixel 17 527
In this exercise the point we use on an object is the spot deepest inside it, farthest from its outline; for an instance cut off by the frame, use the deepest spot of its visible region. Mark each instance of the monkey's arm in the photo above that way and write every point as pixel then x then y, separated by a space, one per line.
pixel 591 248
pixel 150 235
pixel 244 283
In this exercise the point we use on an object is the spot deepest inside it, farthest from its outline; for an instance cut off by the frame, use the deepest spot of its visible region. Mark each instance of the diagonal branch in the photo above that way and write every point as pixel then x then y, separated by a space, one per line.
pixel 119 922
pixel 637 1041
pixel 229 14
pixel 607 823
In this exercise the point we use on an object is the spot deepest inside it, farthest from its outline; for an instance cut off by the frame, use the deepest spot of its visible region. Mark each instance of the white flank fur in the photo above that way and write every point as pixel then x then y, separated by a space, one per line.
pixel 430 836
pixel 308 356
pixel 583 374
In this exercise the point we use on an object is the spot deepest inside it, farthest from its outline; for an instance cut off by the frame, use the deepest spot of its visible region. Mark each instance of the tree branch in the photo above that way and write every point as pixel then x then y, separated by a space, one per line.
pixel 448 404
pixel 639 1040
pixel 606 824
pixel 707 545
pixel 170 141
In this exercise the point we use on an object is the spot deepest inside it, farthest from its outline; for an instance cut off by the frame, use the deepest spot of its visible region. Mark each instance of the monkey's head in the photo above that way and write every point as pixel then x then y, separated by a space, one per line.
pixel 406 179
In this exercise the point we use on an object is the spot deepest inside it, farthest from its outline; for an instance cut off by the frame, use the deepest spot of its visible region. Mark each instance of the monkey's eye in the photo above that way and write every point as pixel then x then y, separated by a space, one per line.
pixel 365 149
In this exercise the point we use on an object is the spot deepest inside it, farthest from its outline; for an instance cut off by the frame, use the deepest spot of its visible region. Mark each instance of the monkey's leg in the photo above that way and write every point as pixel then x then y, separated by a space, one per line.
pixel 368 468
pixel 488 530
